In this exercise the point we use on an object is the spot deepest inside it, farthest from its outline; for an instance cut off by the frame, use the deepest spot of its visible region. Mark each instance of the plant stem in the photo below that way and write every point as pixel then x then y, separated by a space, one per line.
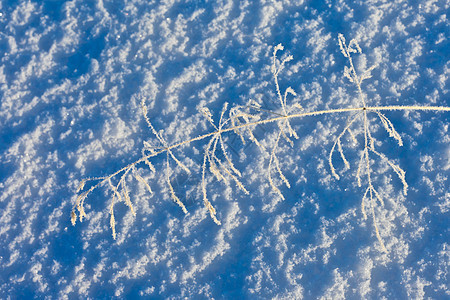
pixel 275 119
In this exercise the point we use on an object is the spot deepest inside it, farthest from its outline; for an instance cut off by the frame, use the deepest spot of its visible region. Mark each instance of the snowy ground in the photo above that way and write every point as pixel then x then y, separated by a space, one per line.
pixel 72 77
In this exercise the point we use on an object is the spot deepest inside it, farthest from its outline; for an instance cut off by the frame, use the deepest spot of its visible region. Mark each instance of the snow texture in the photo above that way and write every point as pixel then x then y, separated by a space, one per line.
pixel 72 77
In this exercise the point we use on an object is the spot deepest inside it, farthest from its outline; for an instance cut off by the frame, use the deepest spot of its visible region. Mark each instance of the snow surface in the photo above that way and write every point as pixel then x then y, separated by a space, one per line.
pixel 72 76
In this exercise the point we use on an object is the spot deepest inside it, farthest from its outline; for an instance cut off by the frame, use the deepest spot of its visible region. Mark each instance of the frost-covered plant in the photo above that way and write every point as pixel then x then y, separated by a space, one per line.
pixel 241 120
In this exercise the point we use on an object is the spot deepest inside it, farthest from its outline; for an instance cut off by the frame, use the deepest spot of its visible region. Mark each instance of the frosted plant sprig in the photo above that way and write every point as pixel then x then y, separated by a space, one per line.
pixel 364 166
pixel 221 170
pixel 242 120
pixel 284 126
